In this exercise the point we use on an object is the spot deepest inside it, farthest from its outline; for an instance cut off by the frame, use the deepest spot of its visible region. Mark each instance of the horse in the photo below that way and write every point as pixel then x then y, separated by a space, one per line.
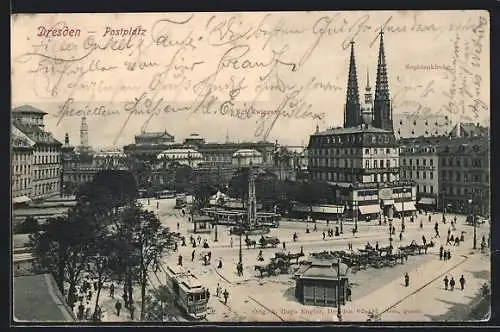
pixel 250 242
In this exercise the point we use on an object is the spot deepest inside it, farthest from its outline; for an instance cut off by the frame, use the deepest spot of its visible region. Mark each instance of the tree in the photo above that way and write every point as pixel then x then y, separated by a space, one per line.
pixel 157 303
pixel 120 186
pixel 145 241
pixel 238 185
pixel 202 192
pixel 183 178
pixel 314 192
pixel 28 226
pixel 64 248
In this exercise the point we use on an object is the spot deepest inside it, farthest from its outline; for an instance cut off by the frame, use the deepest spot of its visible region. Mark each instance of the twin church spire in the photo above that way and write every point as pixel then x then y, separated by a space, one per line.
pixel 382 109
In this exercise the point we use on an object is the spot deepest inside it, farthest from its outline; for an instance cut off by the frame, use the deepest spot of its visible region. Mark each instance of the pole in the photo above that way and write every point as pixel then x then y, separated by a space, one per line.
pixel 355 215
pixel 403 210
pixel 442 197
pixel 474 221
pixel 216 239
pixel 339 311
pixel 241 252
pixel 341 221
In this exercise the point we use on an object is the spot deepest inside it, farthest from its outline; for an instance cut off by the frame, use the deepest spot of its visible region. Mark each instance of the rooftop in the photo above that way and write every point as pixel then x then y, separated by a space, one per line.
pixel 37 299
pixel 154 134
pixel 35 133
pixel 247 153
pixel 28 109
pixel 351 130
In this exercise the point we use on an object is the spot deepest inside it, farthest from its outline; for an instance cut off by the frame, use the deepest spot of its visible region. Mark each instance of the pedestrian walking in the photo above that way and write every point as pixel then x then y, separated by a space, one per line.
pixel 430 219
pixel 315 227
pixel 118 307
pixel 452 284
pixel 462 282
pixel 231 242
pixel 192 255
pixel 323 235
pixel 95 286
pixel 176 248
pixel 125 300
pixel 178 226
pixel 88 313
pixel 448 255
pixel 401 236
pixel 348 293
pixel 179 261
pixel 81 311
pixel 393 230
pixel 424 240
pixel 376 245
pixel 132 311
pixel 226 295
pixel 284 245
pixel 421 225
pixel 220 264
pixel 199 239
pixel 89 295
pixel 407 280
pixel 441 251
pixel 446 283
pixel 354 231
pixel 217 290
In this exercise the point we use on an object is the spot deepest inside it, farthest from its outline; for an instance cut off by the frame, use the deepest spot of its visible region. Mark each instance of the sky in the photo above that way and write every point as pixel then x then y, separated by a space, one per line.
pixel 250 76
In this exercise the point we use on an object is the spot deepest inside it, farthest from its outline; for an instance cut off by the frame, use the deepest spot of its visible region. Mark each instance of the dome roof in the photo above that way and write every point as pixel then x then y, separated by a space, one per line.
pixel 194 136
pixel 247 153
pixel 180 154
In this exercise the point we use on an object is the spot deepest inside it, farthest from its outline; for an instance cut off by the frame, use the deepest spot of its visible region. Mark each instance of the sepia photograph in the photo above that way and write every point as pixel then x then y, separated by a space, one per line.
pixel 221 167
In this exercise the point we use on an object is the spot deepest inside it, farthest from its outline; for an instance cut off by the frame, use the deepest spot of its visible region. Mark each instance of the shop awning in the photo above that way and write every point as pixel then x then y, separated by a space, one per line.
pixel 369 209
pixel 408 206
pixel 388 201
pixel 21 199
pixel 427 201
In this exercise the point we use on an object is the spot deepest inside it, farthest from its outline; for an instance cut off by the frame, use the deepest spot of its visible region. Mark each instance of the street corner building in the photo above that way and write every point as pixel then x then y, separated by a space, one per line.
pixel 37 299
pixel 361 159
pixel 320 284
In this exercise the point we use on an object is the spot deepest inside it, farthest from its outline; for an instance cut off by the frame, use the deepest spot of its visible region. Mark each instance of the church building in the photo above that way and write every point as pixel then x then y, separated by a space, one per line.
pixel 361 159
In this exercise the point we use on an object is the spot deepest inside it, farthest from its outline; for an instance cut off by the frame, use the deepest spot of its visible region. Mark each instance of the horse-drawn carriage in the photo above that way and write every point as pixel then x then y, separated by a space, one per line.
pixel 416 249
pixel 250 242
pixel 265 241
pixel 278 265
pixel 289 256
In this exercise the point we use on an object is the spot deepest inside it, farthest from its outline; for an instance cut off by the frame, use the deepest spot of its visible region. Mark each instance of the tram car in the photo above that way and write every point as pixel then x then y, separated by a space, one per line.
pixel 187 291
pixel 180 202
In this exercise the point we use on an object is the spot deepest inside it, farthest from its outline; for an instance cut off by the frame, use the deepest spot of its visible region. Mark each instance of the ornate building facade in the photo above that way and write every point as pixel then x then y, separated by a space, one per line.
pixel 362 158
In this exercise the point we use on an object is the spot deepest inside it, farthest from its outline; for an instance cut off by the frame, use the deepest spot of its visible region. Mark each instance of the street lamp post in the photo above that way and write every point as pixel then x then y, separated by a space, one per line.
pixel 339 311
pixel 473 219
pixel 355 210
pixel 241 252
pixel 403 209
pixel 442 202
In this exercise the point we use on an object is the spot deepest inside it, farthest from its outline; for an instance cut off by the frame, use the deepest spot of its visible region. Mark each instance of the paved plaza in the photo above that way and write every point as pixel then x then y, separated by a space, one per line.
pixel 252 298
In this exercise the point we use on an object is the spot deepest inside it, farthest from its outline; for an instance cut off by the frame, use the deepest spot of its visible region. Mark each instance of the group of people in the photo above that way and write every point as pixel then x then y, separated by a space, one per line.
pixel 444 254
pixel 451 283
pixel 219 292
pixel 331 233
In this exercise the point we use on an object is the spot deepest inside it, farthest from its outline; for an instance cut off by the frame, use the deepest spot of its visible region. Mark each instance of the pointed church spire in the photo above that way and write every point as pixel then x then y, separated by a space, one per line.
pixel 227 135
pixel 382 105
pixel 368 87
pixel 317 128
pixel 352 115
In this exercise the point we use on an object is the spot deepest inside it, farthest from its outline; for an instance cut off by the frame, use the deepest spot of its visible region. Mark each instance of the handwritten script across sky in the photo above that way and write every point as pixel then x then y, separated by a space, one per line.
pixel 261 75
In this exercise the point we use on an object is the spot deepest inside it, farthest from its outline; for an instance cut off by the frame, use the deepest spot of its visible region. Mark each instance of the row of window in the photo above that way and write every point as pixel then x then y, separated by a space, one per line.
pixel 22 169
pixel 349 163
pixel 418 150
pixel 44 188
pixel 21 184
pixel 464 176
pixel 463 191
pixel 350 139
pixel 424 189
pixel 346 177
pixel 416 175
pixel 19 157
pixel 46 173
pixel 48 159
pixel 417 162
pixel 457 161
pixel 351 151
